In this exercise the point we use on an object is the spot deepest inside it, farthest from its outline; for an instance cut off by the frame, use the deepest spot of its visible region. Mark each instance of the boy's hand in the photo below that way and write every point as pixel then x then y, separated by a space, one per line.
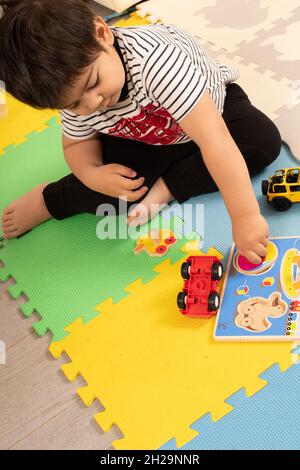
pixel 250 233
pixel 116 180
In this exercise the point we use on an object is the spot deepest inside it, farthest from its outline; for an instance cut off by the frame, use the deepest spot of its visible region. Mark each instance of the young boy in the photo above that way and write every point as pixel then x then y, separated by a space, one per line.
pixel 146 114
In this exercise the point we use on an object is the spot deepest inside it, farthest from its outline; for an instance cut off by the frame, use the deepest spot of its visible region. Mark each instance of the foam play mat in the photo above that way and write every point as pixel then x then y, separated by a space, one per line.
pixel 154 370
pixel 110 304
pixel 259 37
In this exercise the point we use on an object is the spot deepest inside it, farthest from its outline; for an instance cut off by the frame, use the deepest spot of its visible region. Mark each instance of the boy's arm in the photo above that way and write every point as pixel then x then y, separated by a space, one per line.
pixel 84 158
pixel 226 164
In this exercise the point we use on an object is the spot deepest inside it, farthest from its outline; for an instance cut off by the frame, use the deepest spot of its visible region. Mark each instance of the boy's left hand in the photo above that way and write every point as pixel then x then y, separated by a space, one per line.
pixel 250 233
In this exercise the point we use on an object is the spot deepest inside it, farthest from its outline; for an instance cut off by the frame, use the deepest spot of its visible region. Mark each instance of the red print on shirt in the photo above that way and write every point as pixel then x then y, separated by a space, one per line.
pixel 152 126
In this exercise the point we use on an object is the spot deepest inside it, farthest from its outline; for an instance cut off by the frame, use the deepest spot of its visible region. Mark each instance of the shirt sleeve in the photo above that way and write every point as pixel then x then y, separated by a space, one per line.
pixel 73 128
pixel 172 78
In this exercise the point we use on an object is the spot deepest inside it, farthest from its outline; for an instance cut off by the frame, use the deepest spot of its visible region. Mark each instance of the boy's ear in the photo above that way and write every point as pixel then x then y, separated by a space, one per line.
pixel 103 32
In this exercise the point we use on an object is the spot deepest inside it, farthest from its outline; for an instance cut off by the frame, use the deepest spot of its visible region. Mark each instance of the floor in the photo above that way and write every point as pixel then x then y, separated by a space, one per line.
pixel 39 408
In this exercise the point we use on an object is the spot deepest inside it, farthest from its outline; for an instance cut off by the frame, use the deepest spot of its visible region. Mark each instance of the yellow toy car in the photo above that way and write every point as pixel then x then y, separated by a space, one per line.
pixel 283 188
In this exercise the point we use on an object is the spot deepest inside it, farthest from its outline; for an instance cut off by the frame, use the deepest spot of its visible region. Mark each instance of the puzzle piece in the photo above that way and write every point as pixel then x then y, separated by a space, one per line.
pixel 281 103
pixel 276 49
pixel 215 20
pixel 62 281
pixel 268 53
pixel 38 159
pixel 23 118
pixel 133 20
pixel 154 369
pixel 270 406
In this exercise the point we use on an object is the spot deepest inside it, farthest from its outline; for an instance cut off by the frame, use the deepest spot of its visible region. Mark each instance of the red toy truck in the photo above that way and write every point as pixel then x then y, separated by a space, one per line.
pixel 199 297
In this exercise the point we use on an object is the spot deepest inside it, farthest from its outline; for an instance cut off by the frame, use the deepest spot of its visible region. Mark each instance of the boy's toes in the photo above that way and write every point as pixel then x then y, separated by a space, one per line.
pixel 7 222
pixel 10 233
pixel 7 216
pixel 8 210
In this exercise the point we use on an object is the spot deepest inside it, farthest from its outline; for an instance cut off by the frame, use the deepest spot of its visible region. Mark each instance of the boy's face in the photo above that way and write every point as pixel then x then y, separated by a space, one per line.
pixel 100 85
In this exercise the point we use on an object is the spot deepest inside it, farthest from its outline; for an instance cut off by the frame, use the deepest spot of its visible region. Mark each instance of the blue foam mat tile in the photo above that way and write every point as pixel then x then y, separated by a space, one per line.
pixel 216 229
pixel 269 420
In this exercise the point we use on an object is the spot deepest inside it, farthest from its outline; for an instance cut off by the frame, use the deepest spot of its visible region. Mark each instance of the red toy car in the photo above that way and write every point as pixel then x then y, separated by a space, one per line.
pixel 199 297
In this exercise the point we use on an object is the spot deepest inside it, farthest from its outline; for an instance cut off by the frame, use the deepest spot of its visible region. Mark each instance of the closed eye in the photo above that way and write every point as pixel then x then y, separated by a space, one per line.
pixel 96 84
pixel 74 105
pixel 90 88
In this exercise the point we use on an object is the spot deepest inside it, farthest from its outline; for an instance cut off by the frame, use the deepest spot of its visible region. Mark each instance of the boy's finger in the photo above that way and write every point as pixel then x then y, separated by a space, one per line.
pixel 261 250
pixel 135 195
pixel 124 171
pixel 253 257
pixel 133 184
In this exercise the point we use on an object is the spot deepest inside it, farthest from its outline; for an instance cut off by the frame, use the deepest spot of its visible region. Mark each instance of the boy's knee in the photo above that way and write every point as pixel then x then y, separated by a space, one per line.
pixel 265 152
pixel 274 144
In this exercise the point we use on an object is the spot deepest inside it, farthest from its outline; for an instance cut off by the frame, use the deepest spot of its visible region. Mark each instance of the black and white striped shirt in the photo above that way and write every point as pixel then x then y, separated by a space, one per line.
pixel 167 72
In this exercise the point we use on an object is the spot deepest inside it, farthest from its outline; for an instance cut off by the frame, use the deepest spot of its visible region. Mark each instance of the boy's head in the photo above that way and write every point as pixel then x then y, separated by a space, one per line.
pixel 57 53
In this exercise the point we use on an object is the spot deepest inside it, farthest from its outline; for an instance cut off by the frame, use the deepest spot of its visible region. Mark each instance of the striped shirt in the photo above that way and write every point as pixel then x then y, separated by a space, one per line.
pixel 167 73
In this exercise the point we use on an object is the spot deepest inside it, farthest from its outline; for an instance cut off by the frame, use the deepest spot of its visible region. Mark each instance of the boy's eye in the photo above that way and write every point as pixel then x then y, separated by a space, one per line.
pixel 90 88
pixel 96 84
pixel 75 105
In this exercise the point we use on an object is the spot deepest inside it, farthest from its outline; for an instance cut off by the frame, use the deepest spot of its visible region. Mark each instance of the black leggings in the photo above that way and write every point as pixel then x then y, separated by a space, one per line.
pixel 181 166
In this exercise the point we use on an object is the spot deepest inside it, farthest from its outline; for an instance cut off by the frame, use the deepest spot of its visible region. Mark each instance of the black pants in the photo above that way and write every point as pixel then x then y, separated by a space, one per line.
pixel 181 166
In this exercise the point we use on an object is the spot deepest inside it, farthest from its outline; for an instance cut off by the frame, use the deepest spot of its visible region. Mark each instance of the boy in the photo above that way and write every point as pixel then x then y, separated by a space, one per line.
pixel 147 115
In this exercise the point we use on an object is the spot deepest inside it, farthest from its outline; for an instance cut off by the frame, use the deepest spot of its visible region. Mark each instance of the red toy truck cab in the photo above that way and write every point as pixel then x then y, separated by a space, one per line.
pixel 199 297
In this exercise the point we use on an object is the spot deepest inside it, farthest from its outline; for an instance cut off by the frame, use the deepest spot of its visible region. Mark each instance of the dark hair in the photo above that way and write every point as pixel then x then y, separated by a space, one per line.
pixel 44 47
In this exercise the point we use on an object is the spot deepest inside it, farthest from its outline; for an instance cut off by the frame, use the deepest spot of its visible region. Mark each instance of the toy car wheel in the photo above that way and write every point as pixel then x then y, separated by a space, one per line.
pixel 281 204
pixel 213 302
pixel 170 241
pixel 185 270
pixel 264 187
pixel 181 300
pixel 161 249
pixel 216 271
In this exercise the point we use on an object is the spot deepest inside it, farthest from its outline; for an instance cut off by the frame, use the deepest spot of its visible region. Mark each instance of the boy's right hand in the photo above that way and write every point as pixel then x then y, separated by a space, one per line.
pixel 116 181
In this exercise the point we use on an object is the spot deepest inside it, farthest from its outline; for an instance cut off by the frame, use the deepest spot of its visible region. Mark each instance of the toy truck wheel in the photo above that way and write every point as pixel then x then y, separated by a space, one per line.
pixel 185 270
pixel 181 300
pixel 216 271
pixel 213 301
pixel 264 187
pixel 281 204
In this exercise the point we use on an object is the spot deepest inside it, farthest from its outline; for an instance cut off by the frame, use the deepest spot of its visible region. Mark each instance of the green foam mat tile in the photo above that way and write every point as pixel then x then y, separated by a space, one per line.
pixel 61 266
pixel 39 159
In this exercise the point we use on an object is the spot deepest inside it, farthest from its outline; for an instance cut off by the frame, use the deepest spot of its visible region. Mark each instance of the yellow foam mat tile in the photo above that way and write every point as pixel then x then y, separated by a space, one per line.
pixel 20 121
pixel 155 371
pixel 134 19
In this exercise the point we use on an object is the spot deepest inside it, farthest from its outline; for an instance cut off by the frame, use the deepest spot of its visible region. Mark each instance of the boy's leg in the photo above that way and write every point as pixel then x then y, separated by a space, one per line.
pixel 69 196
pixel 255 134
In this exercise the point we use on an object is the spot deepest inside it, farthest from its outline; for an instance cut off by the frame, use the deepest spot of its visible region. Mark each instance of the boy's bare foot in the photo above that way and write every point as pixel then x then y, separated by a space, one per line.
pixel 25 213
pixel 157 198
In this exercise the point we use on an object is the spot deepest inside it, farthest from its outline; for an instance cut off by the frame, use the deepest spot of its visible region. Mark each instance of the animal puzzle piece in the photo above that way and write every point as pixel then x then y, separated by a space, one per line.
pixel 156 242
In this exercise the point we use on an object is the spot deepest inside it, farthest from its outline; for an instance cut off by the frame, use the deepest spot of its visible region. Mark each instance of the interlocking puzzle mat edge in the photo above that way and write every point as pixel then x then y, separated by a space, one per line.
pixel 107 418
